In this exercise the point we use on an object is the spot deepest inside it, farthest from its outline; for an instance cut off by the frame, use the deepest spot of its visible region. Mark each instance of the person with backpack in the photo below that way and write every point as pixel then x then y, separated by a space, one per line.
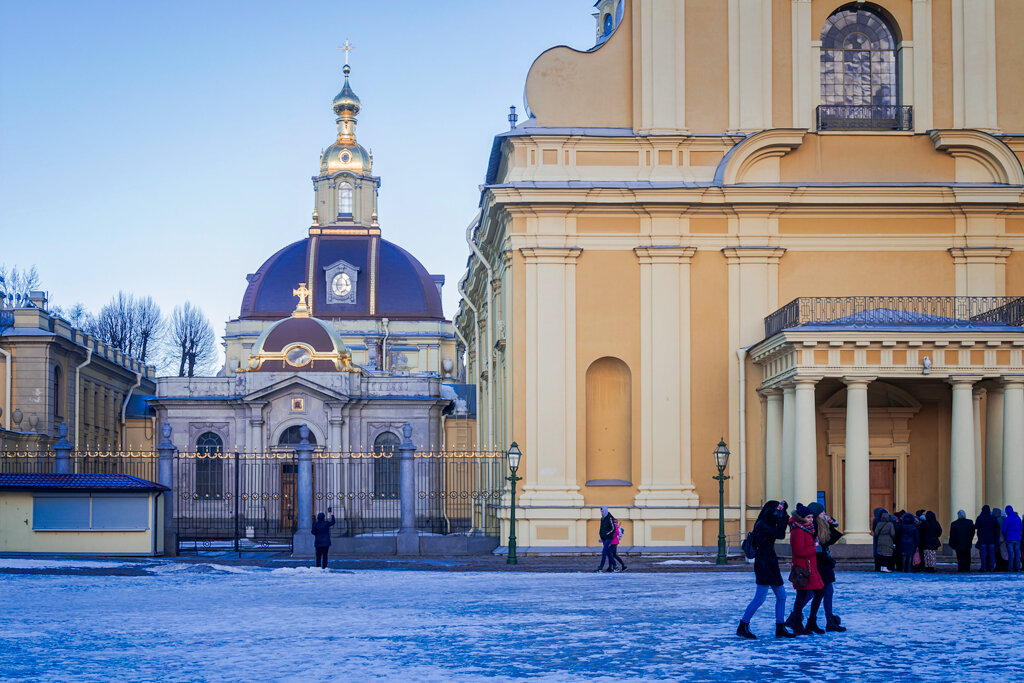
pixel 606 533
pixel 616 537
pixel 322 532
pixel 760 545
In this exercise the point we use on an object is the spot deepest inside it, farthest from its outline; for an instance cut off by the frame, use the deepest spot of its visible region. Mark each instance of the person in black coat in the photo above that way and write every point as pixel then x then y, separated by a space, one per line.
pixel 961 538
pixel 322 537
pixel 931 540
pixel 910 540
pixel 607 534
pixel 988 537
pixel 770 527
pixel 827 531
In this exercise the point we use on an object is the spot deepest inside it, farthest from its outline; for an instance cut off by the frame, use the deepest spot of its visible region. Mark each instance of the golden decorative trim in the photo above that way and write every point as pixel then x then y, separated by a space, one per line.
pixel 310 280
pixel 370 232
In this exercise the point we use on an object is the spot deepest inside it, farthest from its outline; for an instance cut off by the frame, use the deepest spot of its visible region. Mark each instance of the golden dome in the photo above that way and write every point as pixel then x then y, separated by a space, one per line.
pixel 346 100
pixel 346 156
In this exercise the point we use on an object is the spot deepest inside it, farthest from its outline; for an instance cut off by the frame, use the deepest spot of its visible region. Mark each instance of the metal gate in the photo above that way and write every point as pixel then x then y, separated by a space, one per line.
pixel 235 501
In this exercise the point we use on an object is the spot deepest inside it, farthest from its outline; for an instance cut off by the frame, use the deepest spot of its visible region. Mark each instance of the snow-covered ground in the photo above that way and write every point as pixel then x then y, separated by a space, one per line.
pixel 218 622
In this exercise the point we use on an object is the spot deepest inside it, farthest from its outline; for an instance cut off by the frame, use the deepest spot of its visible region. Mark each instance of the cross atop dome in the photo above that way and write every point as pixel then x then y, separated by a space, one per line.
pixel 347 47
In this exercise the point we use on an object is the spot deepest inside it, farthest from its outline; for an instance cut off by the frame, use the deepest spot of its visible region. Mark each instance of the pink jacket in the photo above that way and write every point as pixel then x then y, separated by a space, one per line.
pixel 617 533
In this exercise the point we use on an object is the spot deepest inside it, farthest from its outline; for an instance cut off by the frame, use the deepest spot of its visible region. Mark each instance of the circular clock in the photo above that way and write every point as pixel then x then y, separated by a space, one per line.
pixel 345 157
pixel 341 285
pixel 298 356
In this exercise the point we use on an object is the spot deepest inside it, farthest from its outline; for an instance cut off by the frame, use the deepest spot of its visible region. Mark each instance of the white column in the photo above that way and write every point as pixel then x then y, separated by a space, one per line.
pixel 1013 440
pixel 961 450
pixel 857 514
pixel 979 472
pixel 788 440
pixel 993 447
pixel 805 462
pixel 773 444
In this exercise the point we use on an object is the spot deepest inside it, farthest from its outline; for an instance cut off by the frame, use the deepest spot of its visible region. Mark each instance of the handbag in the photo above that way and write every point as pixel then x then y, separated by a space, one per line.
pixel 799 576
pixel 917 558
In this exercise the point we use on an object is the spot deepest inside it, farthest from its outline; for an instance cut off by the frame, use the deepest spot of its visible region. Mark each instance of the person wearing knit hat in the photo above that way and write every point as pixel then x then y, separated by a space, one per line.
pixel 827 531
pixel 804 575
pixel 816 508
pixel 606 534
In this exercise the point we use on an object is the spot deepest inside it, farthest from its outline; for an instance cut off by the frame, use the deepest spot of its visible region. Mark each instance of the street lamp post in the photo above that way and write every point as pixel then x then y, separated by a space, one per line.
pixel 721 460
pixel 513 464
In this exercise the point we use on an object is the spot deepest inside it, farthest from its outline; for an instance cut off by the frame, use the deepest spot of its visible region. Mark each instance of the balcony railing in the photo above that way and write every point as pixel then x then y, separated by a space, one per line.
pixel 865 117
pixel 916 311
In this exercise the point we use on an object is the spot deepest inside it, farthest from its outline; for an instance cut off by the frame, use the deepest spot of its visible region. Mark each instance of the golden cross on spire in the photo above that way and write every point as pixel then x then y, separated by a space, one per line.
pixel 302 309
pixel 347 47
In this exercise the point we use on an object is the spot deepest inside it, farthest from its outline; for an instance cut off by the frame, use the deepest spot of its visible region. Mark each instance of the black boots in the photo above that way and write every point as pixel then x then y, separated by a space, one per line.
pixel 832 624
pixel 812 625
pixel 743 631
pixel 794 623
pixel 782 632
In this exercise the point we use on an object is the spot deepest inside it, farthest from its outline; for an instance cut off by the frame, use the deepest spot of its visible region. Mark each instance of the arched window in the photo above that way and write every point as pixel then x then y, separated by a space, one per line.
pixel 608 25
pixel 609 423
pixel 386 466
pixel 58 395
pixel 292 437
pixel 344 199
pixel 209 466
pixel 860 73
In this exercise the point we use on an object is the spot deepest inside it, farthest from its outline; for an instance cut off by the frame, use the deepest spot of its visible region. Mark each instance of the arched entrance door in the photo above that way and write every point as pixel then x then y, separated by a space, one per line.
pixel 290 473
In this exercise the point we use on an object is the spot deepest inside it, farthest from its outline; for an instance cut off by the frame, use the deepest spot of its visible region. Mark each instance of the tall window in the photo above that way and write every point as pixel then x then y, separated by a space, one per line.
pixel 58 395
pixel 209 466
pixel 292 437
pixel 386 466
pixel 345 199
pixel 858 60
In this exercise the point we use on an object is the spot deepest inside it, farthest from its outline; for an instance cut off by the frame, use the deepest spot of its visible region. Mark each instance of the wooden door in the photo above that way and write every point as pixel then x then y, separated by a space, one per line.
pixel 289 474
pixel 882 478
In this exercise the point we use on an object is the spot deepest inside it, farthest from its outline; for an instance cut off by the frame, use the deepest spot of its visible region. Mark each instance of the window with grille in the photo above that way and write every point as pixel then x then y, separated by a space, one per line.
pixel 386 470
pixel 209 470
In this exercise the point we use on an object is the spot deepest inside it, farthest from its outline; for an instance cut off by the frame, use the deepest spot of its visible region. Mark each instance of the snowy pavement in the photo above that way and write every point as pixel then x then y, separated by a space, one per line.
pixel 198 621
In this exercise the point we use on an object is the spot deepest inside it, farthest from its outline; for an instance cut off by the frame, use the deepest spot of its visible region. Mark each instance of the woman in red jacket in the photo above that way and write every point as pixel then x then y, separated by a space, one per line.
pixel 804 542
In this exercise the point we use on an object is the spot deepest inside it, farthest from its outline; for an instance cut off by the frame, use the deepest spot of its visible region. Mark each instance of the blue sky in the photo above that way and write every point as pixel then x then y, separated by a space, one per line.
pixel 166 148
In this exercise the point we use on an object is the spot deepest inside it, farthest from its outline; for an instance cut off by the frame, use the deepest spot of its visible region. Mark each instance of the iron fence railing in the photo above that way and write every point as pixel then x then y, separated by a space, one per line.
pixel 865 117
pixel 142 464
pixel 869 311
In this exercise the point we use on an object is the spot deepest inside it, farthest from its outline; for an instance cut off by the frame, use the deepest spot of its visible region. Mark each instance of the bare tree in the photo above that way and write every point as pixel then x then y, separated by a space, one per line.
pixel 130 324
pixel 149 326
pixel 18 283
pixel 191 341
pixel 78 315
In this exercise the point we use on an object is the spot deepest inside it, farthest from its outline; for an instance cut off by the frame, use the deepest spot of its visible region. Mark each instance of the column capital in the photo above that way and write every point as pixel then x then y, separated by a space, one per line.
pixel 664 254
pixel 770 392
pixel 979 392
pixel 565 255
pixel 1012 379
pixel 807 379
pixel 857 380
pixel 764 254
pixel 959 380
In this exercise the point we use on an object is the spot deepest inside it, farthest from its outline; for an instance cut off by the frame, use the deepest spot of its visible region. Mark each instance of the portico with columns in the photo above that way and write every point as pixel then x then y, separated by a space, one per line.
pixel 893 407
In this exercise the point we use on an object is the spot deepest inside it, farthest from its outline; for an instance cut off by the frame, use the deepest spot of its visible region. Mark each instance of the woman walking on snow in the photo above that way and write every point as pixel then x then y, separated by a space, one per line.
pixel 827 530
pixel 769 527
pixel 606 533
pixel 804 575
pixel 616 537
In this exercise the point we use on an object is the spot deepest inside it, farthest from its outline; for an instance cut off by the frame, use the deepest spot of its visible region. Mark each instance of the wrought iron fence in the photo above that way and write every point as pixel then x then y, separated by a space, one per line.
pixel 865 117
pixel 460 492
pixel 142 464
pixel 867 311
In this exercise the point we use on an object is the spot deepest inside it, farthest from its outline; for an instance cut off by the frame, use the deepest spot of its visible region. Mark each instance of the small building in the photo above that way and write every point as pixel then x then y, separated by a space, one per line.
pixel 80 514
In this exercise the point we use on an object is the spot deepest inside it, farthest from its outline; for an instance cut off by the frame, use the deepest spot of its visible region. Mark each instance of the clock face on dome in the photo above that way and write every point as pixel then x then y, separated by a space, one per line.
pixel 298 356
pixel 345 157
pixel 341 285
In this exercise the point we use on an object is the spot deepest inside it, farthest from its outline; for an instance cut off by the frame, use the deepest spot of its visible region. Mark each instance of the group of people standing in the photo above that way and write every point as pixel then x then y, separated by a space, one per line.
pixel 905 542
pixel 811 533
pixel 998 534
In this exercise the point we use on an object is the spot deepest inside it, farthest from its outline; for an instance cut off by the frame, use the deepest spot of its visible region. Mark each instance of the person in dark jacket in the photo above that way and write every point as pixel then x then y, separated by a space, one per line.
pixel 607 534
pixel 910 538
pixel 322 537
pixel 931 540
pixel 988 535
pixel 1012 529
pixel 769 527
pixel 1002 558
pixel 879 514
pixel 885 541
pixel 803 542
pixel 827 531
pixel 961 538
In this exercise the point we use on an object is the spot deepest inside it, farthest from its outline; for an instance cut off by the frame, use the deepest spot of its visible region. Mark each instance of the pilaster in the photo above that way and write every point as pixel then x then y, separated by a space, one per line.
pixel 662 73
pixel 750 65
pixel 974 64
pixel 980 271
pixel 804 68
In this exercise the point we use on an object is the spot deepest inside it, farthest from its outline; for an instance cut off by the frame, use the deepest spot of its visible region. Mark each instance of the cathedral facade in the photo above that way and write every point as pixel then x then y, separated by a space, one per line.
pixel 340 331
pixel 793 224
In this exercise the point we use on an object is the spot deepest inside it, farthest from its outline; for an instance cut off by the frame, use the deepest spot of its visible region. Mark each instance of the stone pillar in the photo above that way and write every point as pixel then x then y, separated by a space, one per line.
pixel 788 442
pixel 857 515
pixel 408 538
pixel 1013 440
pixel 961 450
pixel 979 472
pixel 166 451
pixel 302 541
pixel 63 449
pixel 805 450
pixel 773 444
pixel 993 447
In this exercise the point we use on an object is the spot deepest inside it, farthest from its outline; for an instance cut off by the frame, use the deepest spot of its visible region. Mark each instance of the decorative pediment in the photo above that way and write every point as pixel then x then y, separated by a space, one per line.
pixel 341 282
pixel 289 386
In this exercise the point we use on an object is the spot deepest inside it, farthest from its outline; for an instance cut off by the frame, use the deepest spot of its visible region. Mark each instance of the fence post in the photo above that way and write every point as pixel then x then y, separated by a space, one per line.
pixel 166 451
pixel 302 540
pixel 408 542
pixel 63 448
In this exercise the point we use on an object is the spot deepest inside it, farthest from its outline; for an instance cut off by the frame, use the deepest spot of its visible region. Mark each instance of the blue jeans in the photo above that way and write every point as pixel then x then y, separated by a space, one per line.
pixel 1013 551
pixel 759 597
pixel 606 553
pixel 987 554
